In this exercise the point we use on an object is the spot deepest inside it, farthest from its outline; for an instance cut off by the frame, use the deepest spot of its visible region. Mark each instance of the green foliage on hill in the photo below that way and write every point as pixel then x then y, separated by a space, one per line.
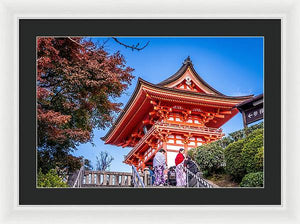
pixel 246 155
pixel 50 179
pixel 240 134
pixel 250 150
pixel 234 160
pixel 259 159
pixel 238 154
pixel 210 158
pixel 253 180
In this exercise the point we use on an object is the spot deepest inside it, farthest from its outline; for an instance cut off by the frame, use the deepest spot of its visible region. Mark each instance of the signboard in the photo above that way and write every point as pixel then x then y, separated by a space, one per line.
pixel 254 114
pixel 252 109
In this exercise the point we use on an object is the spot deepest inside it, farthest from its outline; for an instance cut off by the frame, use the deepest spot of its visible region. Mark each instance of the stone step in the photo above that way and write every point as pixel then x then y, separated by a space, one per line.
pixel 99 186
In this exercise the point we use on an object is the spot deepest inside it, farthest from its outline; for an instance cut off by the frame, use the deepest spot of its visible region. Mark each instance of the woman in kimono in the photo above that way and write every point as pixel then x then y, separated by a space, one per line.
pixel 159 165
pixel 180 173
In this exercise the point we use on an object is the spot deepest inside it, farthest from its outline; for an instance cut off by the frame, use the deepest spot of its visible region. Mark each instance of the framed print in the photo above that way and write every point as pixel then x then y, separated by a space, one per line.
pixel 17 209
pixel 186 80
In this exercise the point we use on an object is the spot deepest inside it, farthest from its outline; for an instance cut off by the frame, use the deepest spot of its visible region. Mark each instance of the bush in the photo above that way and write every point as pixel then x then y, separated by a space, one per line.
pixel 234 162
pixel 205 174
pixel 252 146
pixel 253 180
pixel 192 153
pixel 251 131
pixel 259 159
pixel 50 179
pixel 210 158
pixel 254 134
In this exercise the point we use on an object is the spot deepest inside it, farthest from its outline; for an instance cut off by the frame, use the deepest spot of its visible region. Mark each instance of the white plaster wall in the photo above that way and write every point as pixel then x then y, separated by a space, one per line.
pixel 171 158
pixel 174 147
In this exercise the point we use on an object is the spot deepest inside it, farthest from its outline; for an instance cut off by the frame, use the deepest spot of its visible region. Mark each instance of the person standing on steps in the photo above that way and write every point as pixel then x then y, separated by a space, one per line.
pixel 151 174
pixel 180 173
pixel 192 167
pixel 159 165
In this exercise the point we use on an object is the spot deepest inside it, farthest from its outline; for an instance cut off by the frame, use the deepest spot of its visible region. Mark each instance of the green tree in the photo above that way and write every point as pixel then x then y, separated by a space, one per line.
pixel 240 134
pixel 50 179
pixel 259 159
pixel 234 160
pixel 58 159
pixel 253 180
pixel 210 158
pixel 253 146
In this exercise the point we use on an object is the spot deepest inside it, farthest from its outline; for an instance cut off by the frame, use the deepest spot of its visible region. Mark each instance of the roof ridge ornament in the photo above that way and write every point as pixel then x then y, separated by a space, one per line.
pixel 187 61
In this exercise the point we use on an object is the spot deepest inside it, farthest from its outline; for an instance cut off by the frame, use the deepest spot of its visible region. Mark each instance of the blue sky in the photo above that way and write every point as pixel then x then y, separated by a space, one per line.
pixel 231 65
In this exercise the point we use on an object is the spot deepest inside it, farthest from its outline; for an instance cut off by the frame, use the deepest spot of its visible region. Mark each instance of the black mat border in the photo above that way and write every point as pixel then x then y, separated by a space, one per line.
pixel 29 29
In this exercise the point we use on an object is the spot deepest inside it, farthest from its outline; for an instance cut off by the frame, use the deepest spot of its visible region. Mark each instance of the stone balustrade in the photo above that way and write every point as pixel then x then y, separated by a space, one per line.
pixel 111 179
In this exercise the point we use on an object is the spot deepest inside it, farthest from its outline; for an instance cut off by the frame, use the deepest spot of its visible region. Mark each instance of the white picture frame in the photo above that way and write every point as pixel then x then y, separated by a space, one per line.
pixel 12 11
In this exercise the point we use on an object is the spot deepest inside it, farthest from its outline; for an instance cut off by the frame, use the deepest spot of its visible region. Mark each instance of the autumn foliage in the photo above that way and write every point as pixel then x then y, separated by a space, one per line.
pixel 77 84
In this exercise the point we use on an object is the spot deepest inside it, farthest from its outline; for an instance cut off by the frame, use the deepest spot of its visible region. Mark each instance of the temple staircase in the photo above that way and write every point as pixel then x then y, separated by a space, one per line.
pixel 99 179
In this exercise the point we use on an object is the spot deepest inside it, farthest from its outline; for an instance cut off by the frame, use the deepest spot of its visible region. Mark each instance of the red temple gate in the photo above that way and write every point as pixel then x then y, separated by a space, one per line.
pixel 182 111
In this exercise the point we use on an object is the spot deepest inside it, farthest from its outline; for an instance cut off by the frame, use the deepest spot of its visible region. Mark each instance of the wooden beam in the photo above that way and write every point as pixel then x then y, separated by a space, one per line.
pixel 153 102
pixel 219 116
pixel 227 112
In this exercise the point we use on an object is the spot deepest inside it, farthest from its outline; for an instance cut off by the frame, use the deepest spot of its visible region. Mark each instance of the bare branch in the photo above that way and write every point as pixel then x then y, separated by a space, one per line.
pixel 132 47
pixel 75 41
pixel 103 161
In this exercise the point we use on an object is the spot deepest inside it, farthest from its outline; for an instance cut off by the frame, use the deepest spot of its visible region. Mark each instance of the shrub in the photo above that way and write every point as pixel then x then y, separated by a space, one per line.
pixel 192 153
pixel 253 180
pixel 210 157
pixel 205 174
pixel 252 146
pixel 251 131
pixel 259 159
pixel 234 163
pixel 254 134
pixel 254 128
pixel 50 179
pixel 225 141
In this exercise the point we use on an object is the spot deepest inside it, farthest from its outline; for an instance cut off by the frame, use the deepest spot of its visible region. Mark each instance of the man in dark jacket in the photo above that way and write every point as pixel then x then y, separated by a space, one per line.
pixel 192 167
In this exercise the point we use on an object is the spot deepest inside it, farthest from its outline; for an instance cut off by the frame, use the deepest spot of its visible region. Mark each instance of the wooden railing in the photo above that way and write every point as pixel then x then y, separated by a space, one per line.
pixel 113 179
pixel 203 130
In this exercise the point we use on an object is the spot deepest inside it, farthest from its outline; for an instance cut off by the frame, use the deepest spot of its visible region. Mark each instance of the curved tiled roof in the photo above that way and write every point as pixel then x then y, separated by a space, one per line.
pixel 161 86
pixel 186 64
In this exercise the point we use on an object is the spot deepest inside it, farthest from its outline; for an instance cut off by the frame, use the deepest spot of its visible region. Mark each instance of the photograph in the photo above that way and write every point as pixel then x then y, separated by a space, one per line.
pixel 150 112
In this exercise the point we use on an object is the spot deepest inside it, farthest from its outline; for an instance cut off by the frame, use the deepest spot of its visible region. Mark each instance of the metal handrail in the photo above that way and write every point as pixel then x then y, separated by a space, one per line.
pixel 134 175
pixel 200 181
pixel 78 178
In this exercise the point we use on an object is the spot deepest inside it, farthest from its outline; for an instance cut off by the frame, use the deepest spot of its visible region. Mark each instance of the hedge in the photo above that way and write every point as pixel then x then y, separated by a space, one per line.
pixel 259 159
pixel 253 180
pixel 234 160
pixel 253 146
pixel 210 158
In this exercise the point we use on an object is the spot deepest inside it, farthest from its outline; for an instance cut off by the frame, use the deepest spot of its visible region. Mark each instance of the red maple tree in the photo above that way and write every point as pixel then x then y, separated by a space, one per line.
pixel 77 84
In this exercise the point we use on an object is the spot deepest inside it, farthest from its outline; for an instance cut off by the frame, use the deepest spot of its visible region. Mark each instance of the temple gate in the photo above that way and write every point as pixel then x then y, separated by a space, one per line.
pixel 182 111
